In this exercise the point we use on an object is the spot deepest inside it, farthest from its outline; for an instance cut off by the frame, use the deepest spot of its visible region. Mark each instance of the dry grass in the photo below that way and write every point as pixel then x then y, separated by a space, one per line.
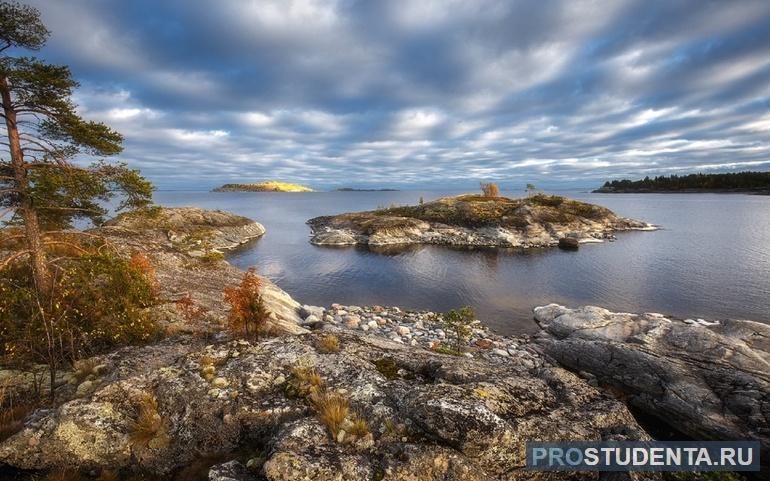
pixel 12 414
pixel 358 426
pixel 84 368
pixel 304 381
pixel 490 189
pixel 328 344
pixel 108 475
pixel 148 424
pixel 63 475
pixel 332 409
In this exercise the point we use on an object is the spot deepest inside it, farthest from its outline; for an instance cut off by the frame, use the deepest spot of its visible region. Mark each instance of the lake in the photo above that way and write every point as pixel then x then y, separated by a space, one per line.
pixel 711 259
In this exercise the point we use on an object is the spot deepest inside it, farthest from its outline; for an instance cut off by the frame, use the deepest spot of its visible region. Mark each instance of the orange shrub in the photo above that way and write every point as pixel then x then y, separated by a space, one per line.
pixel 194 315
pixel 143 264
pixel 490 189
pixel 248 314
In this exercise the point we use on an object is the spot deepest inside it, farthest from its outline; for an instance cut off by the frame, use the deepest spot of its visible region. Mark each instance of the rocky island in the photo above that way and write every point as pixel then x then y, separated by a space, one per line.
pixel 266 186
pixel 476 220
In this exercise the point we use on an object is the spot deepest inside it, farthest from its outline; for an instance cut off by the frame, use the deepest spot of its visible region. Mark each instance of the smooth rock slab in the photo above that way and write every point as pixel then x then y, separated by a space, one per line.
pixel 709 381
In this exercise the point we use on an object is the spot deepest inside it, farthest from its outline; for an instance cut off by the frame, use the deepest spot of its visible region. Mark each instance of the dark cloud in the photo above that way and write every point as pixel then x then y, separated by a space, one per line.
pixel 424 93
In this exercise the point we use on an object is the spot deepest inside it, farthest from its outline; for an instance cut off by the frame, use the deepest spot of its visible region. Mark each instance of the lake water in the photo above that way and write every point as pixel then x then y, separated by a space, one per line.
pixel 711 259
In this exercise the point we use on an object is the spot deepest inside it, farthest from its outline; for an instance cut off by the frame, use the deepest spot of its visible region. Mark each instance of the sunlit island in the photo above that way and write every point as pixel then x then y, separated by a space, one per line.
pixel 266 186
pixel 477 220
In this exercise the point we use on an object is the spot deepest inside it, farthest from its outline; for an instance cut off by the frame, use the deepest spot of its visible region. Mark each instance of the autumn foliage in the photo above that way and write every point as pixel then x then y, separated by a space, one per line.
pixel 248 314
pixel 490 189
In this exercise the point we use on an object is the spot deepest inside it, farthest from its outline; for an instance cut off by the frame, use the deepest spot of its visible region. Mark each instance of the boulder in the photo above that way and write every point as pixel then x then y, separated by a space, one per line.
pixel 568 243
pixel 706 380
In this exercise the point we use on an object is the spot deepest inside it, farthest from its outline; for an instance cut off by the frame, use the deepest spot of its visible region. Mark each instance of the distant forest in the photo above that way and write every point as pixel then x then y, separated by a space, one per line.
pixel 733 182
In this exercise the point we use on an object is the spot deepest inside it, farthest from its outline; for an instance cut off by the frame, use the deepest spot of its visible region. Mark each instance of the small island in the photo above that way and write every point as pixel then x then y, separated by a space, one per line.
pixel 351 189
pixel 476 220
pixel 746 182
pixel 266 186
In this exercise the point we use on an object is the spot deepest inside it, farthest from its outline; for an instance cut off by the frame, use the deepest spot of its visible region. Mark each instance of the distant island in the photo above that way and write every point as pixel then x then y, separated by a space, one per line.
pixel 753 182
pixel 266 186
pixel 350 189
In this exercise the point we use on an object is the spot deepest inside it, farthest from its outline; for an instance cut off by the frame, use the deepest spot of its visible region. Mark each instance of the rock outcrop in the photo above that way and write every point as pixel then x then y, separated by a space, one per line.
pixel 707 380
pixel 433 416
pixel 472 220
pixel 180 243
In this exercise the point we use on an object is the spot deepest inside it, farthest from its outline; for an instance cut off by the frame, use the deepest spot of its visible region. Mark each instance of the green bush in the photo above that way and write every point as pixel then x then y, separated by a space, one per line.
pixel 459 323
pixel 97 301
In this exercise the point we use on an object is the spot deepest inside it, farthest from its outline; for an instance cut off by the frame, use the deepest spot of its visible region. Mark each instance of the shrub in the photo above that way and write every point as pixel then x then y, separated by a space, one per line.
pixel 459 323
pixel 194 314
pixel 445 349
pixel 212 257
pixel 97 301
pixel 328 344
pixel 387 367
pixel 248 314
pixel 143 264
pixel 490 189
pixel 547 200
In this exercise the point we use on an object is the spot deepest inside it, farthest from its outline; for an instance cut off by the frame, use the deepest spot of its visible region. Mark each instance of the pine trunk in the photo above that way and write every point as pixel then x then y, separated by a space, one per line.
pixel 26 206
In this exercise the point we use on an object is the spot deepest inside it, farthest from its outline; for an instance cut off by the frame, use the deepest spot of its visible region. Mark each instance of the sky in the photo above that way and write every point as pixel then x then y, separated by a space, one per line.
pixel 421 94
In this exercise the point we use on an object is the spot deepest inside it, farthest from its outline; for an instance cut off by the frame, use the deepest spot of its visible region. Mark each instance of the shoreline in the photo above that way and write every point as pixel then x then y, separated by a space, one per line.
pixel 689 191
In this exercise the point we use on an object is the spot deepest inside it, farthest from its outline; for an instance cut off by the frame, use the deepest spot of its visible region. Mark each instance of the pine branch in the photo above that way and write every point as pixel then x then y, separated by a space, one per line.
pixel 10 259
pixel 69 244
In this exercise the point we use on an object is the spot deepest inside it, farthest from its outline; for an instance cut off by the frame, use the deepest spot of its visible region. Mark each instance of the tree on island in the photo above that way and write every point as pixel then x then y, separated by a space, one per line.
pixel 41 188
pixel 530 189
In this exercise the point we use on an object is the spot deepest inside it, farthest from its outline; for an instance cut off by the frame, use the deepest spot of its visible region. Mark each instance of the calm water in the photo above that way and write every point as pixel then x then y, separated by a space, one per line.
pixel 710 260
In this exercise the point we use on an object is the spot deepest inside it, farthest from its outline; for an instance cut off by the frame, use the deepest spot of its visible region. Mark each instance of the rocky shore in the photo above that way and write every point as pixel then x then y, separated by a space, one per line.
pixel 419 414
pixel 473 220
pixel 418 400
pixel 706 380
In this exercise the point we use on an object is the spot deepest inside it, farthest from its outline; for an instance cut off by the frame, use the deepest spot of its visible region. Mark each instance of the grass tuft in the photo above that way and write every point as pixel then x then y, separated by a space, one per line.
pixel 328 344
pixel 148 424
pixel 332 409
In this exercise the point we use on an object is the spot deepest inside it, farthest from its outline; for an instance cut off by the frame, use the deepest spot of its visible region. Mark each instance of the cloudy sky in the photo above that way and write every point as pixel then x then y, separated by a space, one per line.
pixel 422 93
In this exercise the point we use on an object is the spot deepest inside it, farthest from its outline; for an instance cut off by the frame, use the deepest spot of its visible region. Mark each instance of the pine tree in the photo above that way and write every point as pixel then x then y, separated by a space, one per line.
pixel 42 187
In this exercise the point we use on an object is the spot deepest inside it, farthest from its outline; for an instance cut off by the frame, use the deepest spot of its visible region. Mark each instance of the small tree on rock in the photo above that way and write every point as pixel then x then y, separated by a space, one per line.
pixel 530 189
